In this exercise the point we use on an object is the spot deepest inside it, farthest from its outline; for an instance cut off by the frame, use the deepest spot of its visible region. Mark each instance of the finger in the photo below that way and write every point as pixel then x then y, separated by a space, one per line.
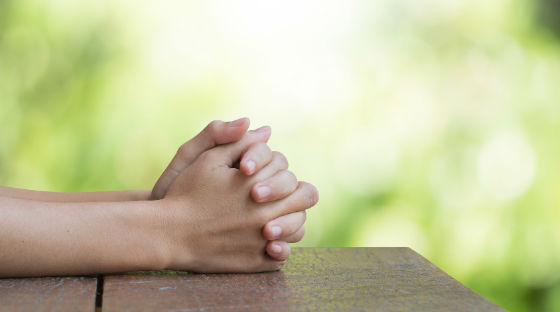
pixel 269 265
pixel 304 197
pixel 284 226
pixel 216 132
pixel 296 237
pixel 277 187
pixel 231 153
pixel 266 263
pixel 257 156
pixel 278 163
pixel 278 250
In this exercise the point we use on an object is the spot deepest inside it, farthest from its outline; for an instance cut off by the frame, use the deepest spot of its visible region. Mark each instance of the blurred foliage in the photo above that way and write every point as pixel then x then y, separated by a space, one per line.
pixel 431 124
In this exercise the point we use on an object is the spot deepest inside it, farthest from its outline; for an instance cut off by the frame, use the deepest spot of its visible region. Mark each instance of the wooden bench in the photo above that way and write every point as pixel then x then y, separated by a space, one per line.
pixel 314 279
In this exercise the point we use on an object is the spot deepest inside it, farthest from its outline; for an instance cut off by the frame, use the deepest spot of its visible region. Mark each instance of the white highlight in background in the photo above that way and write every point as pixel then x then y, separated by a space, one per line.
pixel 506 166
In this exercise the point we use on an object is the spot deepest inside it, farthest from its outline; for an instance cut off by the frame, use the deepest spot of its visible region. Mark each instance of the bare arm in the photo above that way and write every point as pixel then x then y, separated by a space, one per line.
pixel 206 224
pixel 42 238
pixel 109 196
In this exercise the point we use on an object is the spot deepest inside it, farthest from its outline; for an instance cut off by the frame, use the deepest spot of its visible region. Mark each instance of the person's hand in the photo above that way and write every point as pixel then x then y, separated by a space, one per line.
pixel 215 133
pixel 285 229
pixel 213 224
pixel 277 183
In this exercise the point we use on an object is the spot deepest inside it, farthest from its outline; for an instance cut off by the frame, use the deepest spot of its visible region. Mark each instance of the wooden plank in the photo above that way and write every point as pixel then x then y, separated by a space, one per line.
pixel 48 294
pixel 315 279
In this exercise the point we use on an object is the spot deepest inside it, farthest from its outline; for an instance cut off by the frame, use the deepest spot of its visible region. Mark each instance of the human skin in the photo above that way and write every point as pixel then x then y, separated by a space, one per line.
pixel 283 230
pixel 289 228
pixel 192 228
pixel 226 233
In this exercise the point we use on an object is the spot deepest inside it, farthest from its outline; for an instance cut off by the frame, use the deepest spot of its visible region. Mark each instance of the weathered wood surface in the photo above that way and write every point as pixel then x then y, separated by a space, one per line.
pixel 314 279
pixel 48 294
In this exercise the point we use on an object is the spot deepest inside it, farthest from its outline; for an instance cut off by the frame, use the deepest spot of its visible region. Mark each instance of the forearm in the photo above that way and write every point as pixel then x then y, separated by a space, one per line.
pixel 108 196
pixel 41 238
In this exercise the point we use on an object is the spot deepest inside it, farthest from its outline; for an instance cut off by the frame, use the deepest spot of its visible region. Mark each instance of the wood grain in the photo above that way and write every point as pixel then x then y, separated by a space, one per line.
pixel 48 294
pixel 314 279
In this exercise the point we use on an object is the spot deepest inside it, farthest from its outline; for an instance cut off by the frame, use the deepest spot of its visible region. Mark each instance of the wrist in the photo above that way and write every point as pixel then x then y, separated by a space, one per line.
pixel 176 224
pixel 161 213
pixel 148 240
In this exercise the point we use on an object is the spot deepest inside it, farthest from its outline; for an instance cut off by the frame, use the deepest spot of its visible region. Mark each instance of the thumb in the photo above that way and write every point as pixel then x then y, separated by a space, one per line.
pixel 215 133
pixel 231 153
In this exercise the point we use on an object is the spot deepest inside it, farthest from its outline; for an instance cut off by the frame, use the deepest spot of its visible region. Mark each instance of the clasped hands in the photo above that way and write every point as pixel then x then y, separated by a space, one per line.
pixel 235 203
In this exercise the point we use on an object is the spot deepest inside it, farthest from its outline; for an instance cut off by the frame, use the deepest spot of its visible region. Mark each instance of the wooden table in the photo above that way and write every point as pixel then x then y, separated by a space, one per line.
pixel 314 279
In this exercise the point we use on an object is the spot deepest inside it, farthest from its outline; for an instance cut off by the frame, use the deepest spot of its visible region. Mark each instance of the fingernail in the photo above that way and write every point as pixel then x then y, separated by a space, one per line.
pixel 276 231
pixel 237 122
pixel 263 191
pixel 250 165
pixel 276 248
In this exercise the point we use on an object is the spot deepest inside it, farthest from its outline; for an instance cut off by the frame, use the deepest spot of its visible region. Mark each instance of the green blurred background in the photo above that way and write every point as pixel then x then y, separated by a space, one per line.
pixel 432 124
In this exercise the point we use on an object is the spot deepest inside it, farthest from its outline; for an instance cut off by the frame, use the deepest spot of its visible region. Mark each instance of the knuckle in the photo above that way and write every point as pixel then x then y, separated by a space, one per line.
pixel 273 265
pixel 314 197
pixel 303 215
pixel 213 125
pixel 281 159
pixel 297 236
pixel 207 156
pixel 183 149
pixel 290 176
pixel 300 234
pixel 267 148
pixel 267 263
pixel 295 221
pixel 278 265
pixel 310 193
